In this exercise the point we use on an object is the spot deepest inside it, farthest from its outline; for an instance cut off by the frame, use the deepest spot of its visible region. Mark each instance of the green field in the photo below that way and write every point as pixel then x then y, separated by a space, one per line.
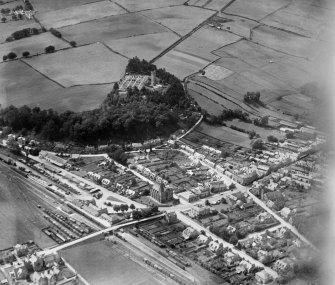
pixel 34 45
pixel 111 28
pixel 91 64
pixel 33 89
pixel 77 14
pixel 114 267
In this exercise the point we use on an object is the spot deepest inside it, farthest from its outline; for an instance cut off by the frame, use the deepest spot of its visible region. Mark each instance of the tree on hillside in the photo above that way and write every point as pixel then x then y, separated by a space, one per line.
pixel 73 43
pixel 5 57
pixel 49 49
pixel 26 54
pixel 257 144
pixel 3 19
pixel 12 55
pixel 132 207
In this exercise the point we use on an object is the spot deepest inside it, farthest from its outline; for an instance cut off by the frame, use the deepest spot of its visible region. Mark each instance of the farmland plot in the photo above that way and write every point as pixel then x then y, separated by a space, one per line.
pixel 111 28
pixel 34 45
pixel 51 5
pixel 136 5
pixel 181 64
pixel 255 9
pixel 205 40
pixel 225 134
pixel 217 4
pixel 286 42
pixel 12 26
pixel 143 46
pixel 33 89
pixel 74 15
pixel 92 64
pixel 181 19
pixel 251 53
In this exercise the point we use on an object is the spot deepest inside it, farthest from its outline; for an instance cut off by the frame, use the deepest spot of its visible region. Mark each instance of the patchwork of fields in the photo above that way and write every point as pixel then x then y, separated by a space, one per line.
pixel 270 46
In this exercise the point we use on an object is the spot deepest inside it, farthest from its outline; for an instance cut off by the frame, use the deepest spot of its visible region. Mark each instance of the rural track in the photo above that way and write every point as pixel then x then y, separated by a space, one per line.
pixel 182 39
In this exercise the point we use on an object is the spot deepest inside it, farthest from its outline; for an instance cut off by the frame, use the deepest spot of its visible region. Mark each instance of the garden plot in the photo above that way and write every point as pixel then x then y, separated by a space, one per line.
pixel 255 9
pixel 111 28
pixel 92 64
pixel 136 5
pixel 181 64
pixel 181 19
pixel 74 15
pixel 144 46
pixel 217 72
pixel 34 45
pixel 205 40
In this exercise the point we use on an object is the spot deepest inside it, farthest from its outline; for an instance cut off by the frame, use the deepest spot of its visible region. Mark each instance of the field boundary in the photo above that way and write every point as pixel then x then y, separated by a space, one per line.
pixel 47 77
pixel 171 47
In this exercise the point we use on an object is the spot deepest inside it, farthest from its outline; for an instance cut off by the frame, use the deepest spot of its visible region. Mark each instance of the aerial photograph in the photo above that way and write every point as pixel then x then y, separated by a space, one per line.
pixel 166 142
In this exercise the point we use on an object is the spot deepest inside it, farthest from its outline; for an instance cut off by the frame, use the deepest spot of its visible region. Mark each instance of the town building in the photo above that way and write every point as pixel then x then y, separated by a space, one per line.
pixel 199 211
pixel 188 196
pixel 262 277
pixel 161 193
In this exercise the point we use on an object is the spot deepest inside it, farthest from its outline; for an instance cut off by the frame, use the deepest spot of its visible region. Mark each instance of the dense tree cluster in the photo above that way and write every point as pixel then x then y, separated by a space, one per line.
pixel 136 117
pixel 49 49
pixel 252 97
pixel 24 33
pixel 229 114
pixel 55 33
pixel 272 138
pixel 28 6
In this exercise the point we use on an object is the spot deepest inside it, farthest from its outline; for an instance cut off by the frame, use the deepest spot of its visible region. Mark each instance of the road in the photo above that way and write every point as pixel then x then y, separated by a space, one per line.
pixel 242 254
pixel 281 220
pixel 96 234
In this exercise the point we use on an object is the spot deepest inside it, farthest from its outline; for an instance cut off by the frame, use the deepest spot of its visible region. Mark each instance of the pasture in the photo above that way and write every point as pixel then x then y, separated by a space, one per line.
pixel 217 4
pixel 91 64
pixel 297 19
pixel 34 45
pixel 286 42
pixel 239 26
pixel 12 26
pixel 255 9
pixel 77 14
pixel 204 41
pixel 33 89
pixel 135 5
pixel 144 46
pixel 211 106
pixel 250 53
pixel 181 64
pixel 111 28
pixel 51 5
pixel 225 134
pixel 181 19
